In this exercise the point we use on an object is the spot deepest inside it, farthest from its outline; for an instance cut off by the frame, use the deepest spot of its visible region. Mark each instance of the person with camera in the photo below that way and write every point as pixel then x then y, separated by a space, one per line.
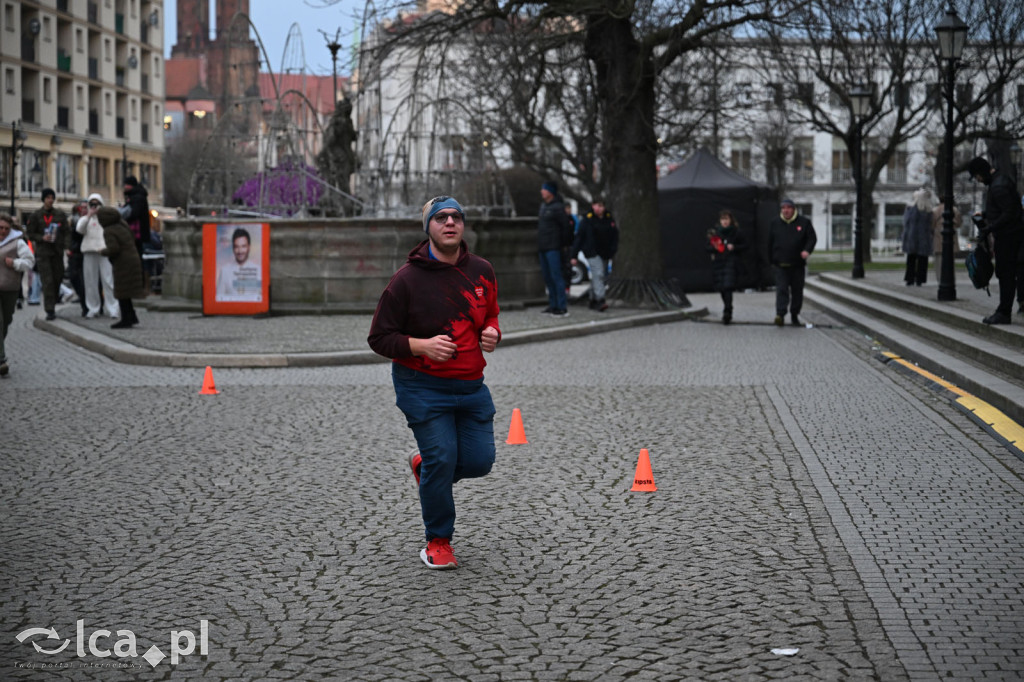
pixel 1003 219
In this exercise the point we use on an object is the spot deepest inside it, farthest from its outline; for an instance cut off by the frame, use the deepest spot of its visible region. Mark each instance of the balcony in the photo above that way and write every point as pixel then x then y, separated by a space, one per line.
pixel 119 77
pixel 94 122
pixel 62 5
pixel 144 32
pixel 842 176
pixel 28 111
pixel 896 176
pixel 63 60
pixel 94 68
pixel 93 13
pixel 120 126
pixel 64 118
pixel 119 23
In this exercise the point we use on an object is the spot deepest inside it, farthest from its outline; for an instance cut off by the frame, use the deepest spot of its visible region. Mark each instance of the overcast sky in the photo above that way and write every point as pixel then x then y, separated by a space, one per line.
pixel 274 18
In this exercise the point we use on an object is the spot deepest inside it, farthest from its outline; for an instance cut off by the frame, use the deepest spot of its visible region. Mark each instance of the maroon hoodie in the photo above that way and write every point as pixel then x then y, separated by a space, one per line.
pixel 428 297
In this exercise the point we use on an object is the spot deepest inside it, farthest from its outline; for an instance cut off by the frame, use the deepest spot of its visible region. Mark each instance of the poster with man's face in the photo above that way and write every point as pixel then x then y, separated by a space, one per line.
pixel 235 265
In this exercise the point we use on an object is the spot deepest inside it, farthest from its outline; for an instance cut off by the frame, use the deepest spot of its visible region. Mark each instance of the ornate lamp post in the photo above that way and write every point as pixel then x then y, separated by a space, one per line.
pixel 952 33
pixel 860 103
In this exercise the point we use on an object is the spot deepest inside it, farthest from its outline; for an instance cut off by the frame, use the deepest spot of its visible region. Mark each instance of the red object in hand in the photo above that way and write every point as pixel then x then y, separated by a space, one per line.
pixel 717 244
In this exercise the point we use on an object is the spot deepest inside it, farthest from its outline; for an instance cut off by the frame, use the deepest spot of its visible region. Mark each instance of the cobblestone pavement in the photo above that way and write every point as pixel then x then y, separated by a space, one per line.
pixel 809 497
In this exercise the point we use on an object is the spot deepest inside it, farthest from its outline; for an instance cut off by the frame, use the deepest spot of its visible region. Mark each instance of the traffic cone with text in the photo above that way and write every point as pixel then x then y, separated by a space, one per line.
pixel 516 434
pixel 643 480
pixel 208 387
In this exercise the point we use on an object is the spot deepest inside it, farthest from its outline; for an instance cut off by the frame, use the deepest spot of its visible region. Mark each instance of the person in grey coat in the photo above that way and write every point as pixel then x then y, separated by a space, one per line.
pixel 917 238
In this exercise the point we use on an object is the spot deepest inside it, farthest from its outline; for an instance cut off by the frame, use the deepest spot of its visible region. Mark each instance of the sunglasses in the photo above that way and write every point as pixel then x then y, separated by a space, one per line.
pixel 442 218
pixel 93 204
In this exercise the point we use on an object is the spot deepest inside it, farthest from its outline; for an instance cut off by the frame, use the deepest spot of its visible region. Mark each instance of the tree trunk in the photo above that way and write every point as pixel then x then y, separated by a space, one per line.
pixel 625 82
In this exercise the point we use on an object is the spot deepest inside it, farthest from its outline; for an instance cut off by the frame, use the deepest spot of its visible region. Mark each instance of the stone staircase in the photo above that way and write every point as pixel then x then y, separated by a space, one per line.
pixel 945 338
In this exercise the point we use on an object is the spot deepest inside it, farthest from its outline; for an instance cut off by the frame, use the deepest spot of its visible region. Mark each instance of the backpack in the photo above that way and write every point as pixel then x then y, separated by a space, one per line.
pixel 979 266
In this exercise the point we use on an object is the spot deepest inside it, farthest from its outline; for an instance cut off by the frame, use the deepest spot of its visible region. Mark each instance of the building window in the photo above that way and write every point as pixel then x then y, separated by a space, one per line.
pixel 156 67
pixel 996 102
pixel 964 94
pixel 744 94
pixel 47 90
pixel 1020 98
pixel 98 168
pixel 805 92
pixel 135 110
pixel 803 160
pixel 80 98
pixel 842 226
pixel 932 95
pixel 842 166
pixel 30 159
pixel 66 181
pixel 776 95
pixel 47 30
pixel 740 155
pixel 896 169
pixel 106 49
pixel 9 17
pixel 901 95
pixel 9 81
pixel 894 221
pixel 106 103
pixel 79 41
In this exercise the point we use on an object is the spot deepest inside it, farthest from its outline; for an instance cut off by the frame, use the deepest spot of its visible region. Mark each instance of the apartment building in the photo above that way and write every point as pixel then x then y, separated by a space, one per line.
pixel 82 100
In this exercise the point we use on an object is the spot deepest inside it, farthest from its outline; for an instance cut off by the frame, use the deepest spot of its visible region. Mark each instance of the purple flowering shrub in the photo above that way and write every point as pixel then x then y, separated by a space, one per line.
pixel 288 184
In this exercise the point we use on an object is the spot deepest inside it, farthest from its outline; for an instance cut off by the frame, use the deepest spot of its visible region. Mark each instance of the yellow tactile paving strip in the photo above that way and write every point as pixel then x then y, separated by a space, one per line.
pixel 1001 426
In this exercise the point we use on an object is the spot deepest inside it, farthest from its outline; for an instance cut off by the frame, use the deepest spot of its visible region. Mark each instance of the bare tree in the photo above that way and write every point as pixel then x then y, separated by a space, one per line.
pixel 826 48
pixel 601 123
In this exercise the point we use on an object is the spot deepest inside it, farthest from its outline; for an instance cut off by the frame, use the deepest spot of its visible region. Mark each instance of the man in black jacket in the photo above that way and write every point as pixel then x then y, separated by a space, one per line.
pixel 553 234
pixel 598 239
pixel 791 241
pixel 1003 220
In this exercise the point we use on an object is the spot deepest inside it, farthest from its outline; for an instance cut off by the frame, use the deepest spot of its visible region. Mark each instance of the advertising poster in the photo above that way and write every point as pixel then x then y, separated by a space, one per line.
pixel 236 269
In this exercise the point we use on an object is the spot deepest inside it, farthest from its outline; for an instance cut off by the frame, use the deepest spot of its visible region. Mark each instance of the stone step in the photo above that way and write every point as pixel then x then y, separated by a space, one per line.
pixel 989 370
pixel 960 315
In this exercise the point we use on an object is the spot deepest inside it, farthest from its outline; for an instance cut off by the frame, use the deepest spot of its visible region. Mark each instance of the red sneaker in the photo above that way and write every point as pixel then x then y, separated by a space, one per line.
pixel 438 554
pixel 414 463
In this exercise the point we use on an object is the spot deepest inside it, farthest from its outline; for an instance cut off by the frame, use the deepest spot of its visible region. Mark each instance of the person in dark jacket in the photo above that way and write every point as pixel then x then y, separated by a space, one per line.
pixel 136 210
pixel 125 261
pixel 554 234
pixel 725 243
pixel 917 238
pixel 791 240
pixel 435 320
pixel 50 235
pixel 1003 220
pixel 75 272
pixel 598 239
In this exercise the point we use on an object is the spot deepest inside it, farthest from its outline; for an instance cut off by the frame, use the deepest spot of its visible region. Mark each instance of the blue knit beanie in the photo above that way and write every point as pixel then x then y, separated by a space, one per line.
pixel 550 186
pixel 436 204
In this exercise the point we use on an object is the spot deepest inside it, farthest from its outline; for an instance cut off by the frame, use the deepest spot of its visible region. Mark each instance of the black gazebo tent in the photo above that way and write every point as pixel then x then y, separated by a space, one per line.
pixel 689 199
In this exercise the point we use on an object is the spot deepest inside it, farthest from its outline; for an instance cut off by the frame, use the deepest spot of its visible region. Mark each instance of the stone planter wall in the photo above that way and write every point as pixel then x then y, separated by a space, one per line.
pixel 346 263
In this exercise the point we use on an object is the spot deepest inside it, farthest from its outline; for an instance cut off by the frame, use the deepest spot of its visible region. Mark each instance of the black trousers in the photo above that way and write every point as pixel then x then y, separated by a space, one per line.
pixel 1007 251
pixel 917 269
pixel 789 289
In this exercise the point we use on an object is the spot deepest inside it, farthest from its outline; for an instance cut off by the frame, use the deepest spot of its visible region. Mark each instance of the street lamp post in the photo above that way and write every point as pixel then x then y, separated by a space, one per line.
pixel 17 142
pixel 952 34
pixel 334 46
pixel 860 102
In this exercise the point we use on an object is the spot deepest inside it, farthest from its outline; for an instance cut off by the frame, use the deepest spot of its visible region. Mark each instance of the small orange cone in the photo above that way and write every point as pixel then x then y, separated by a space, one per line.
pixel 643 480
pixel 516 434
pixel 208 387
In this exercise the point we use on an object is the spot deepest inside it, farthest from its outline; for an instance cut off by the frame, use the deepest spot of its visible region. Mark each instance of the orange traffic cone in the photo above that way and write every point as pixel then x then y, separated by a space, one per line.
pixel 643 480
pixel 516 434
pixel 208 387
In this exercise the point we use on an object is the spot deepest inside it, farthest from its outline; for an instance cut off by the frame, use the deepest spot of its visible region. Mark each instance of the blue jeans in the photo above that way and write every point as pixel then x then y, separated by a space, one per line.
pixel 551 268
pixel 453 421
